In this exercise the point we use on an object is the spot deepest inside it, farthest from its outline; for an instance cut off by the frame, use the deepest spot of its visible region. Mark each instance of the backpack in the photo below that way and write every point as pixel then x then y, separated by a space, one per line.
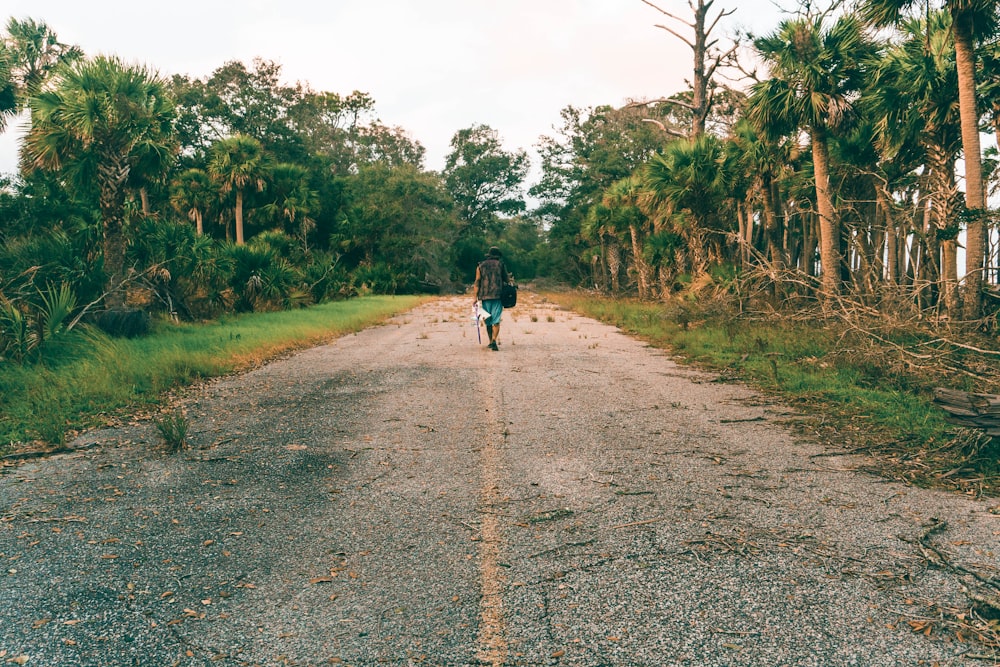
pixel 508 295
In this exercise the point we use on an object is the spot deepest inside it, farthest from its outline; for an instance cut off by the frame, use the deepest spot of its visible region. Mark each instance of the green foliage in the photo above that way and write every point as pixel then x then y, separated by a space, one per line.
pixel 800 361
pixel 100 375
pixel 30 326
pixel 485 180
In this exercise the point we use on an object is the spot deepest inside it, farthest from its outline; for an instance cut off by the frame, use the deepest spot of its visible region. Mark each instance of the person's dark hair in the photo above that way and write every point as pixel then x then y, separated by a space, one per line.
pixel 494 252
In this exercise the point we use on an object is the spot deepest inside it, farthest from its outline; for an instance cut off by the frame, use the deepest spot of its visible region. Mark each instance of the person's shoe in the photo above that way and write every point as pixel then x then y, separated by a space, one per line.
pixel 493 346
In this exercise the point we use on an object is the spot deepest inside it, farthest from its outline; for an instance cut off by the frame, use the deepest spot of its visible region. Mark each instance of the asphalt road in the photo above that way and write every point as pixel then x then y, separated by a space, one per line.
pixel 404 496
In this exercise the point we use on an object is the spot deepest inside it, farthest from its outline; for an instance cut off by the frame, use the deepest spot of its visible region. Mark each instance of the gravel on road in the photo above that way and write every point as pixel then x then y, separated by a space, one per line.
pixel 405 496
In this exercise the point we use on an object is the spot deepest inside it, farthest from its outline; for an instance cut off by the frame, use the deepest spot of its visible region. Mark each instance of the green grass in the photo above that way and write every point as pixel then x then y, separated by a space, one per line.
pixel 90 376
pixel 856 399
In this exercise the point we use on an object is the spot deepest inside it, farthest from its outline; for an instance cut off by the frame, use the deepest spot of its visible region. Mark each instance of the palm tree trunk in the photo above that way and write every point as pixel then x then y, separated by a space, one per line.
pixel 944 194
pixel 239 217
pixel 772 228
pixel 614 264
pixel 198 222
pixel 891 249
pixel 829 229
pixel 641 269
pixel 975 199
pixel 112 174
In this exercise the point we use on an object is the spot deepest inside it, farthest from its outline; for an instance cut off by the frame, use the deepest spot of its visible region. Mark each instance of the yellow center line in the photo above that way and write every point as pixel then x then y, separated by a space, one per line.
pixel 492 644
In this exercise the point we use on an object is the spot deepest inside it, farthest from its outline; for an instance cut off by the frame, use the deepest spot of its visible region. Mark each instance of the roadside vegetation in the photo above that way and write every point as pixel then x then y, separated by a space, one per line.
pixel 811 214
pixel 861 387
pixel 90 378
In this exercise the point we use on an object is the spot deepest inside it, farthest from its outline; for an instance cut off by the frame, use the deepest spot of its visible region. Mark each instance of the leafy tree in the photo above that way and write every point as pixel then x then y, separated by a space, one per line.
pixel 8 89
pixel 593 149
pixel 399 229
pixel 95 124
pixel 237 164
pixel 484 179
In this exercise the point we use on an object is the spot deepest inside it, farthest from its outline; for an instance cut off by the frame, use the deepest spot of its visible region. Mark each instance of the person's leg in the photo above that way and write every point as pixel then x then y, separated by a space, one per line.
pixel 489 332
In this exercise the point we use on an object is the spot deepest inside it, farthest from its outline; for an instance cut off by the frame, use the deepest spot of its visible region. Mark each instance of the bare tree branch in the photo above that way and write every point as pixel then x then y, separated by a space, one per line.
pixel 665 128
pixel 675 34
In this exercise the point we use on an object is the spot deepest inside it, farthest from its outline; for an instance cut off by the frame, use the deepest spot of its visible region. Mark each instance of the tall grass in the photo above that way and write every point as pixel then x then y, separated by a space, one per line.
pixel 91 375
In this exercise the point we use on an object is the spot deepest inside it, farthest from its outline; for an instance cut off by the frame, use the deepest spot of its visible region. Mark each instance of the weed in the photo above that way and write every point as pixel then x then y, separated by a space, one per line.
pixel 173 428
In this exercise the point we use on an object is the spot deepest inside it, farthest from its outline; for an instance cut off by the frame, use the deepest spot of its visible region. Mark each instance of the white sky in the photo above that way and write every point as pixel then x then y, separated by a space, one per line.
pixel 432 66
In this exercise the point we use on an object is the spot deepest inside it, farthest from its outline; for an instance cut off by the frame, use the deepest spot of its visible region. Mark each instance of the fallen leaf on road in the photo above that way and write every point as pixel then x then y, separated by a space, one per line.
pixel 320 580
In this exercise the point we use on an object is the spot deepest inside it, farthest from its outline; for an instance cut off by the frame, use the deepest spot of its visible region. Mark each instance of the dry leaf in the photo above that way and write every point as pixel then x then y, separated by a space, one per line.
pixel 320 580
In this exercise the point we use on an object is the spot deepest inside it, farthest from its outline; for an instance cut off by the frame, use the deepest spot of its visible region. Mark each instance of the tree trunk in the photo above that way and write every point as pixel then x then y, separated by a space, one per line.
pixel 975 198
pixel 239 217
pixel 829 227
pixel 112 174
pixel 891 249
pixel 198 224
pixel 699 83
pixel 144 198
pixel 772 227
pixel 641 268
pixel 614 264
pixel 944 198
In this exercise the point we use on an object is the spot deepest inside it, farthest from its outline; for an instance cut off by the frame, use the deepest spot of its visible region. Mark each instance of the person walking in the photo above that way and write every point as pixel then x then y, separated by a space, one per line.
pixel 491 276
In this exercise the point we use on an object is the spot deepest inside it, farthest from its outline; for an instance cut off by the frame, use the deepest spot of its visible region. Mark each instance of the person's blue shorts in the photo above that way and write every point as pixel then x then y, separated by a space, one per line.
pixel 494 309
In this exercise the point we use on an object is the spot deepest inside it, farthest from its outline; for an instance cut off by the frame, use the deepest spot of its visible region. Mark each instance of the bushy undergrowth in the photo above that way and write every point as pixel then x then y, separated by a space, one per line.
pixel 868 384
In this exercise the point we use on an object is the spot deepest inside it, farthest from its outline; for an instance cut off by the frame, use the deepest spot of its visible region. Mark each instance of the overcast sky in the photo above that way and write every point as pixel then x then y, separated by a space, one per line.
pixel 432 66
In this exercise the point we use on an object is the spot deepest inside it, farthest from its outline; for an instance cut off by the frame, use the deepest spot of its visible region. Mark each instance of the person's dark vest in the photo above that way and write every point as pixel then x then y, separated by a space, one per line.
pixel 491 278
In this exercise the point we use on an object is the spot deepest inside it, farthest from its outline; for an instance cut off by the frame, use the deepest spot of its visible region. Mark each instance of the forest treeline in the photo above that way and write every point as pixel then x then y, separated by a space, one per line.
pixel 848 162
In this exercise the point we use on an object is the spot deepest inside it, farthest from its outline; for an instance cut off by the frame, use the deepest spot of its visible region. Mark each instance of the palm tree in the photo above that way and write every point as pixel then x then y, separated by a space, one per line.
pixel 762 161
pixel 815 75
pixel 921 71
pixel 35 52
pixel 8 90
pixel 623 199
pixel 191 194
pixel 687 184
pixel 94 124
pixel 971 20
pixel 293 202
pixel 236 164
